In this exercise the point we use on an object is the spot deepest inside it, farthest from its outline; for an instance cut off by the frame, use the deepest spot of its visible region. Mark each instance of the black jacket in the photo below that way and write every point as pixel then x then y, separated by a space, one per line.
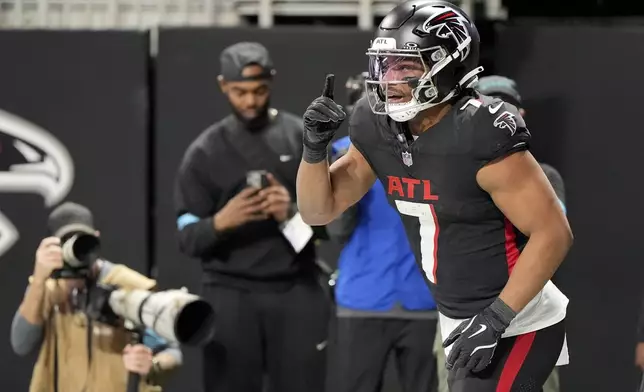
pixel 214 170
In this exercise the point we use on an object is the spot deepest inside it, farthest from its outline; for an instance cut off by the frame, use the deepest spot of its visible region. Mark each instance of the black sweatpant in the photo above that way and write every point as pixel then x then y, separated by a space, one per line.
pixel 520 364
pixel 360 347
pixel 280 334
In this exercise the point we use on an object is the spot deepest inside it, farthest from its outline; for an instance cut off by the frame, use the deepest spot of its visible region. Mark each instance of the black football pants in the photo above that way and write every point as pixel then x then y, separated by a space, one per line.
pixel 278 334
pixel 520 364
pixel 359 349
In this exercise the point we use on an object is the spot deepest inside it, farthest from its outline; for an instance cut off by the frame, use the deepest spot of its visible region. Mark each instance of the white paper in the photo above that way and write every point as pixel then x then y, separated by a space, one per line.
pixel 297 232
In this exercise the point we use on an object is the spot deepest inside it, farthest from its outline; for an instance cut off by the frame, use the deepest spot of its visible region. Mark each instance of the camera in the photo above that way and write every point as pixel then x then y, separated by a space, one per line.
pixel 175 315
pixel 74 225
pixel 80 250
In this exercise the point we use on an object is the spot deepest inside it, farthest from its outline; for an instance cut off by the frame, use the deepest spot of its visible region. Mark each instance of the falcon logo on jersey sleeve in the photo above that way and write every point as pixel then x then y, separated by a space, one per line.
pixel 506 121
pixel 450 24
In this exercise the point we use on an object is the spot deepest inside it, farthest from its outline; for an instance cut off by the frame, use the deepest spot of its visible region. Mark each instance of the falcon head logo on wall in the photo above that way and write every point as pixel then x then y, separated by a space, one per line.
pixel 450 24
pixel 32 160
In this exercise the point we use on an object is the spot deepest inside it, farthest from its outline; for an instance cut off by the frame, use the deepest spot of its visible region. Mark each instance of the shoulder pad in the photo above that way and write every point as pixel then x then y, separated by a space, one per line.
pixel 499 129
pixel 502 115
pixel 495 110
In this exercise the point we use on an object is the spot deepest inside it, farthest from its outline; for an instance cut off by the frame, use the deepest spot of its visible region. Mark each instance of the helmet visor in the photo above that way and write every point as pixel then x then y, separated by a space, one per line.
pixel 392 80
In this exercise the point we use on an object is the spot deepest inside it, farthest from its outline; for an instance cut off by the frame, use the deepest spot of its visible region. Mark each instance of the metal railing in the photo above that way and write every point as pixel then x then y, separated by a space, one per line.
pixel 106 14
pixel 142 14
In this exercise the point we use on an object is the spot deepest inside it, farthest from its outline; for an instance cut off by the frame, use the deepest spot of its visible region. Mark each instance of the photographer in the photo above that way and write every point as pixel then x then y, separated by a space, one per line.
pixel 77 353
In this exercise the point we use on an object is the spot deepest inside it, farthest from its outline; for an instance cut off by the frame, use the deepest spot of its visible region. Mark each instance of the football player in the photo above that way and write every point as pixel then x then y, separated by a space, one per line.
pixel 482 219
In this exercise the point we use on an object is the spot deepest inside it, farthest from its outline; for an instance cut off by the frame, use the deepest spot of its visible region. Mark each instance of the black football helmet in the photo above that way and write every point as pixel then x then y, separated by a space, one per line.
pixel 428 46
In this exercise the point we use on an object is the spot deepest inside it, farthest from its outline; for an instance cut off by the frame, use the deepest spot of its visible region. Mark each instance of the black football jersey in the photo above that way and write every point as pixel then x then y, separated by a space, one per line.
pixel 462 241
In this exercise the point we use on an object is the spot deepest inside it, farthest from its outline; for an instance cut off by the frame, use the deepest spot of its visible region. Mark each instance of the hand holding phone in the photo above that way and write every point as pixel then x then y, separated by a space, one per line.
pixel 277 200
pixel 257 179
pixel 245 207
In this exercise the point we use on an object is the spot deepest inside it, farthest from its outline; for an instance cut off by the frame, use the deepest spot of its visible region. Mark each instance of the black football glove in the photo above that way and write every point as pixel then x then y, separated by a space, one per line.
pixel 476 339
pixel 321 119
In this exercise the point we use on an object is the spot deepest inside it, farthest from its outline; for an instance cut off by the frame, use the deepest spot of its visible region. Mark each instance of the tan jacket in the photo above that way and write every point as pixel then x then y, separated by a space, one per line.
pixel 106 372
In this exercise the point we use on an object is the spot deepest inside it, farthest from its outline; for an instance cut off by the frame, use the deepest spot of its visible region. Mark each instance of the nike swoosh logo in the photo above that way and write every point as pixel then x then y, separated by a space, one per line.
pixel 320 346
pixel 480 331
pixel 483 348
pixel 285 158
pixel 496 109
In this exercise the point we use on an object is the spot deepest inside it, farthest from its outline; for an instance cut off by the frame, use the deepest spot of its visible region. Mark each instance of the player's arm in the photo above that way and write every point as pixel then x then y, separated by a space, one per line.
pixel 341 229
pixel 522 192
pixel 557 183
pixel 324 192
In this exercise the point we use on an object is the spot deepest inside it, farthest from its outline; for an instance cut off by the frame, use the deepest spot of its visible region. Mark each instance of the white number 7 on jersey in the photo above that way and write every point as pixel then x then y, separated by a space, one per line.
pixel 428 233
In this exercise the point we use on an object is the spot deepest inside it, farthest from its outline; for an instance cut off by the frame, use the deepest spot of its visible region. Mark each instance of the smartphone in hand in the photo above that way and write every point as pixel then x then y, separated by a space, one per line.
pixel 257 179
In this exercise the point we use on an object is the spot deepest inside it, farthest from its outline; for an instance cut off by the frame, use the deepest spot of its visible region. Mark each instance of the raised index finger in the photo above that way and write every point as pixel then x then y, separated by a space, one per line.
pixel 329 82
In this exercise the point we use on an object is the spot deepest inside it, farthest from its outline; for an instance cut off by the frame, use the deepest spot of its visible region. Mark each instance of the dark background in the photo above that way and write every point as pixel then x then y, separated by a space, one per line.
pixel 127 129
pixel 582 105
pixel 89 91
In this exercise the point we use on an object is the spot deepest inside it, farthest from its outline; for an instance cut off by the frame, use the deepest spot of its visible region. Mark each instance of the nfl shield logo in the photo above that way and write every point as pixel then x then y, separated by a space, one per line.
pixel 406 157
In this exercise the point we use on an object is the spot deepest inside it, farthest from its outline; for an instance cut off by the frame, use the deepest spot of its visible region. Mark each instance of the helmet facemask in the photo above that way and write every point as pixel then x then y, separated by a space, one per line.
pixel 412 74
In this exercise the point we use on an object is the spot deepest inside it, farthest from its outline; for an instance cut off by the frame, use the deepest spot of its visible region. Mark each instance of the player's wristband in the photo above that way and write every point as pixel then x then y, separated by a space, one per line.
pixel 312 154
pixel 502 312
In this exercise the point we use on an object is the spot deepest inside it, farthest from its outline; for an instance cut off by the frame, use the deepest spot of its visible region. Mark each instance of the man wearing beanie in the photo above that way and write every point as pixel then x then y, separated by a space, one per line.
pixel 75 352
pixel 235 210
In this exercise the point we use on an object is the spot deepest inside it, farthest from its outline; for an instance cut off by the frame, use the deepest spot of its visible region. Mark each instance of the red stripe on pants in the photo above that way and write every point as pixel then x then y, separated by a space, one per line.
pixel 511 251
pixel 515 360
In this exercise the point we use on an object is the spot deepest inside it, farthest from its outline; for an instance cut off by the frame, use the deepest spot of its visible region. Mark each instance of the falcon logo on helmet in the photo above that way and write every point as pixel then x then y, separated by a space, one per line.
pixel 425 53
pixel 447 25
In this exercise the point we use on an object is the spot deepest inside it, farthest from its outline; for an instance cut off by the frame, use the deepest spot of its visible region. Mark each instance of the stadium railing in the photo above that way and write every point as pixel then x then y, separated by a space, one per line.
pixel 143 14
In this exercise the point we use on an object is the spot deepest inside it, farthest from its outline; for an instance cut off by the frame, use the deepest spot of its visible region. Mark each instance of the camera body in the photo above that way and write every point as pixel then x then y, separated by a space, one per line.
pixel 80 250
